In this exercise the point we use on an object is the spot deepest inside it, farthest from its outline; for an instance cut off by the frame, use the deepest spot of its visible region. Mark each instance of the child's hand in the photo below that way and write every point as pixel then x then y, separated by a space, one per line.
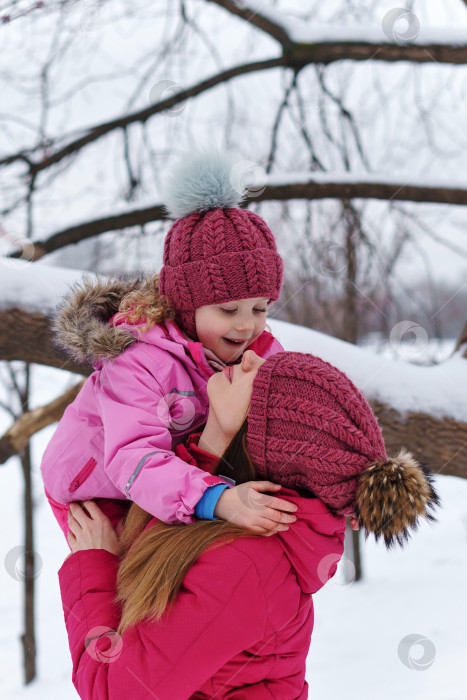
pixel 246 506
pixel 93 531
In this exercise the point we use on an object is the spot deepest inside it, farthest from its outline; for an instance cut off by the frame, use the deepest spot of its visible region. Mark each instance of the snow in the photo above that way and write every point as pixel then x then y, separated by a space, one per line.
pixel 438 390
pixel 317 33
pixel 34 286
pixel 358 625
pixel 352 178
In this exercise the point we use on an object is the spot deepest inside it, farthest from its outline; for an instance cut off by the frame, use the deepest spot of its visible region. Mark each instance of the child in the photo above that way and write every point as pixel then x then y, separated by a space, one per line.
pixel 152 360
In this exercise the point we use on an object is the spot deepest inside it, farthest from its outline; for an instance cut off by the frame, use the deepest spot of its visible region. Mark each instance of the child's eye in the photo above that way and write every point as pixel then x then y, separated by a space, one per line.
pixel 232 311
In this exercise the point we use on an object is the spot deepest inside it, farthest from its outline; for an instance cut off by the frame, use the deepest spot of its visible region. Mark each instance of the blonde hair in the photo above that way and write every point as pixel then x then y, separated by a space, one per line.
pixel 155 561
pixel 145 304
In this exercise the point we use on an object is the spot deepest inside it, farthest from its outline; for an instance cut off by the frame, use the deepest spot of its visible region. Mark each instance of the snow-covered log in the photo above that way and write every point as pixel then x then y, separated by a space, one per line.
pixel 420 407
pixel 29 295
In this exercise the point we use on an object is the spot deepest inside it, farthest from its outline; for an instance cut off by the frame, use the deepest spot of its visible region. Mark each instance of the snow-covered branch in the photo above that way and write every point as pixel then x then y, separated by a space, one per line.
pixel 420 407
pixel 309 186
pixel 29 295
pixel 304 43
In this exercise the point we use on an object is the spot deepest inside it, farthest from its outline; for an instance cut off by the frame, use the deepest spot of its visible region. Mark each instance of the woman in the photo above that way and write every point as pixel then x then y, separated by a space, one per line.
pixel 208 609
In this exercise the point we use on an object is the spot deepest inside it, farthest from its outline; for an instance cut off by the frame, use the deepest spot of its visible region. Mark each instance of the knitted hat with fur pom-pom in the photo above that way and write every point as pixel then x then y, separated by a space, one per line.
pixel 215 251
pixel 310 428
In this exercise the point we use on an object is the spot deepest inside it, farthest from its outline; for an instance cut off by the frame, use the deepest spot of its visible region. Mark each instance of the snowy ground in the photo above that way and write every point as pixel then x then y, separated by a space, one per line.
pixel 358 626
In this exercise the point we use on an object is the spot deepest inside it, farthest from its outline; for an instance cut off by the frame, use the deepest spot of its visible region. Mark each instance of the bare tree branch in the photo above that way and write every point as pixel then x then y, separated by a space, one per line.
pixel 141 116
pixel 17 437
pixel 318 186
pixel 297 56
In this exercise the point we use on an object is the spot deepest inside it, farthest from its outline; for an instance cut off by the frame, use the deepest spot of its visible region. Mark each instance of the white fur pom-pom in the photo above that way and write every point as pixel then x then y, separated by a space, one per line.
pixel 200 182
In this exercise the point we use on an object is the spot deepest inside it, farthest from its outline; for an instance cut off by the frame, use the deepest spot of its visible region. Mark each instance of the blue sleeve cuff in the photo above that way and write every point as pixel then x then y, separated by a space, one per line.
pixel 204 509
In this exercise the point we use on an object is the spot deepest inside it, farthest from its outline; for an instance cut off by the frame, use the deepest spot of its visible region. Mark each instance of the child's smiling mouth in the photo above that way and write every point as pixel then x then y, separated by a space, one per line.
pixel 235 342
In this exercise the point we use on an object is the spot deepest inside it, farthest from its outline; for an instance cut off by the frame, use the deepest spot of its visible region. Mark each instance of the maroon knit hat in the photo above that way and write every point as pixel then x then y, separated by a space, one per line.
pixel 215 252
pixel 310 428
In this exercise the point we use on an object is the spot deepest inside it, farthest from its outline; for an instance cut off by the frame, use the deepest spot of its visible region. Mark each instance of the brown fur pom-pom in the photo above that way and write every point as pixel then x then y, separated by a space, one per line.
pixel 392 495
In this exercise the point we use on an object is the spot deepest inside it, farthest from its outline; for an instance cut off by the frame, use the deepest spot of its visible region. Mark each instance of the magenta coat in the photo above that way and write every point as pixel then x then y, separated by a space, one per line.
pixel 146 395
pixel 240 627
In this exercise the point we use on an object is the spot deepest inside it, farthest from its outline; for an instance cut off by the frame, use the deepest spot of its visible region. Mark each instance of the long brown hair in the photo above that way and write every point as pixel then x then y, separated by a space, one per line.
pixel 155 561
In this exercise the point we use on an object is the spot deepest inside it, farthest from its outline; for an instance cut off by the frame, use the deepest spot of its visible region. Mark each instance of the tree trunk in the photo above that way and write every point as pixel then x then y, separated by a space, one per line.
pixel 26 336
pixel 350 332
pixel 28 639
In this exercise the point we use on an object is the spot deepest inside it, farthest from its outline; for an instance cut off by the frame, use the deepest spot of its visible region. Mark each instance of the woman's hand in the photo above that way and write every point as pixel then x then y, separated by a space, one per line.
pixel 91 529
pixel 246 506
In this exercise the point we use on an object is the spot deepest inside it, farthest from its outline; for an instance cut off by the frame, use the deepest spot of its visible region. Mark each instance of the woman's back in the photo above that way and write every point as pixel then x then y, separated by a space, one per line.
pixel 239 628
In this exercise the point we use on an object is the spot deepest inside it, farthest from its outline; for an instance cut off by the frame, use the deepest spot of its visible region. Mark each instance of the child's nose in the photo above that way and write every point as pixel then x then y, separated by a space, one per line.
pixel 244 324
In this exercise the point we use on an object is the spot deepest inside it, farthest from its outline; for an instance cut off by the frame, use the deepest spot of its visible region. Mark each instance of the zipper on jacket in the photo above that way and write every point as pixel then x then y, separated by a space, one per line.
pixel 83 475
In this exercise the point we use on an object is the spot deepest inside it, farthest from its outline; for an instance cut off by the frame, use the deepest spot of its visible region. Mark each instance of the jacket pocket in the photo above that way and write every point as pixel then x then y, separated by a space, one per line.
pixel 85 472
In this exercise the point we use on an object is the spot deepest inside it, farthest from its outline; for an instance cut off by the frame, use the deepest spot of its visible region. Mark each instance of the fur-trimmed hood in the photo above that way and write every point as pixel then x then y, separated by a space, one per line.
pixel 81 328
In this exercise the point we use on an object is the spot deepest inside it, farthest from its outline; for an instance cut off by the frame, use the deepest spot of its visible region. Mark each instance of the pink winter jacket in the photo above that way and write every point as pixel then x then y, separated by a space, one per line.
pixel 146 395
pixel 240 627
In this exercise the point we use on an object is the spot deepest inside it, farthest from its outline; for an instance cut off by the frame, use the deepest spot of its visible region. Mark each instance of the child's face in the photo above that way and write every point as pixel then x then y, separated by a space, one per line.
pixel 217 325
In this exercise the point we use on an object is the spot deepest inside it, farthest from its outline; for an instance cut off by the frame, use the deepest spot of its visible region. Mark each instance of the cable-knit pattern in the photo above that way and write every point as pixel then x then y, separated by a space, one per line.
pixel 336 458
pixel 330 379
pixel 214 272
pixel 262 228
pixel 209 238
pixel 182 289
pixel 324 418
pixel 246 235
pixel 236 255
pixel 310 427
pixel 218 226
pixel 251 274
pixel 261 269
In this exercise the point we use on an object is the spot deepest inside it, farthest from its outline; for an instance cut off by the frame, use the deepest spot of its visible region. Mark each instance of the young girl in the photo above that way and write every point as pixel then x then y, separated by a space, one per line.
pixel 153 346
